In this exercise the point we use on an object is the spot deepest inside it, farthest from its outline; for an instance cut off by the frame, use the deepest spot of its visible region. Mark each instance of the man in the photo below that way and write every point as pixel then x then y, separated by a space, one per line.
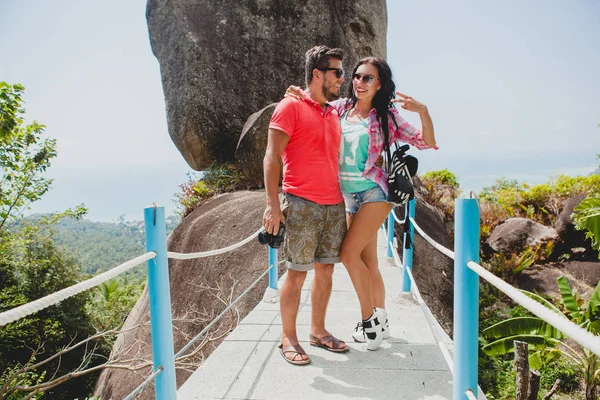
pixel 306 135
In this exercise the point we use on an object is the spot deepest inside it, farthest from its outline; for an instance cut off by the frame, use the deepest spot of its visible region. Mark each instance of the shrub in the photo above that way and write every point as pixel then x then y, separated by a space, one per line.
pixel 541 203
pixel 442 190
pixel 587 218
pixel 218 178
pixel 191 195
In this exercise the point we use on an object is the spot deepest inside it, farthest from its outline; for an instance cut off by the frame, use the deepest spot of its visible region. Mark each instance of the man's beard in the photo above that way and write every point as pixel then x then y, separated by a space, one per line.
pixel 330 92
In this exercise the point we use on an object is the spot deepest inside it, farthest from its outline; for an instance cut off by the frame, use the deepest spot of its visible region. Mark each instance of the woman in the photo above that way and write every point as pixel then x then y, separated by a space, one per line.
pixel 366 116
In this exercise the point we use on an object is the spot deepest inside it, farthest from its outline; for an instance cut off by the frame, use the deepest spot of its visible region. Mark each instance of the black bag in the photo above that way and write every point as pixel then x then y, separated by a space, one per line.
pixel 401 168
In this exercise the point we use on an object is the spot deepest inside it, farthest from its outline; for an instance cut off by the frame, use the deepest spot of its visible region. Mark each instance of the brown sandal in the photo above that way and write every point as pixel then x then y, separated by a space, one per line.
pixel 330 343
pixel 293 349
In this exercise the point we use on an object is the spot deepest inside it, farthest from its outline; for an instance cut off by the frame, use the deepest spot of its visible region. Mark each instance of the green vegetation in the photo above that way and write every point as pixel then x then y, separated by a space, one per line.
pixel 541 203
pixel 100 246
pixel 31 265
pixel 547 344
pixel 587 218
pixel 217 179
pixel 506 321
pixel 42 254
pixel 442 190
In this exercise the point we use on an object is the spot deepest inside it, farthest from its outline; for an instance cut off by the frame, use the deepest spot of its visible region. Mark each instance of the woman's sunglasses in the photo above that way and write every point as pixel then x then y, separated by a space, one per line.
pixel 366 78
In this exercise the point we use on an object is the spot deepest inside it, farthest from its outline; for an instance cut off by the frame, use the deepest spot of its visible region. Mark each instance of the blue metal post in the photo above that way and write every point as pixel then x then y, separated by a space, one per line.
pixel 272 267
pixel 466 297
pixel 159 295
pixel 407 254
pixel 390 234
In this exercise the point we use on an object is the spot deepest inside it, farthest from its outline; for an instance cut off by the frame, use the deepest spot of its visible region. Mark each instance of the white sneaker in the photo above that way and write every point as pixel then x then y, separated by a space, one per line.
pixel 373 330
pixel 358 334
pixel 385 323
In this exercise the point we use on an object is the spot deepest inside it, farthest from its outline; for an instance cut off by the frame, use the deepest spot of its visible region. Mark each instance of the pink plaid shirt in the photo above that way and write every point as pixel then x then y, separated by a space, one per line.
pixel 402 131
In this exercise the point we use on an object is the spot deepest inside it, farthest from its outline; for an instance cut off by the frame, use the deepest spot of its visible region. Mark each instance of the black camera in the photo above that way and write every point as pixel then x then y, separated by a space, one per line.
pixel 274 241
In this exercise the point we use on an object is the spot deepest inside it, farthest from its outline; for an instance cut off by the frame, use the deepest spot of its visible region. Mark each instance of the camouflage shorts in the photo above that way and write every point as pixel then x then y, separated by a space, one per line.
pixel 313 232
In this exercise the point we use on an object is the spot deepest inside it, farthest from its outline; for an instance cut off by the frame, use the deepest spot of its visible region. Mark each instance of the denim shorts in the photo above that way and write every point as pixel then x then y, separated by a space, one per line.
pixel 355 200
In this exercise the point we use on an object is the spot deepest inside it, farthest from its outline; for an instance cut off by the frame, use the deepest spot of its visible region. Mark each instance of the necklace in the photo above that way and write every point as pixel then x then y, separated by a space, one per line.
pixel 358 114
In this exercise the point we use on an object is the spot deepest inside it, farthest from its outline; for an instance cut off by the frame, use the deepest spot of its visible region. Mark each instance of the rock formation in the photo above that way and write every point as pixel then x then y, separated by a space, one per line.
pixel 222 61
pixel 516 234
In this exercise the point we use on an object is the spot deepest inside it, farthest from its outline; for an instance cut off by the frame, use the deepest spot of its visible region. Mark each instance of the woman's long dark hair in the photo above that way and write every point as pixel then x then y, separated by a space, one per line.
pixel 382 101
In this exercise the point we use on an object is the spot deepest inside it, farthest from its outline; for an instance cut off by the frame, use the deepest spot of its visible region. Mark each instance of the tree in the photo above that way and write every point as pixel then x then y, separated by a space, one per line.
pixel 24 157
pixel 31 265
pixel 24 381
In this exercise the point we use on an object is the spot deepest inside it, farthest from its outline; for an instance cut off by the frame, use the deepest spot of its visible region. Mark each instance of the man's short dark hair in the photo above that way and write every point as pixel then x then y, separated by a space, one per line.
pixel 318 58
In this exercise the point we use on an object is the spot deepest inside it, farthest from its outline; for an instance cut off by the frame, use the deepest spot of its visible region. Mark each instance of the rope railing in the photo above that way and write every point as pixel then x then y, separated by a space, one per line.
pixel 188 256
pixel 432 242
pixel 426 311
pixel 398 220
pixel 33 307
pixel 149 379
pixel 559 321
pixel 470 395
pixel 465 303
pixel 218 317
pixel 432 325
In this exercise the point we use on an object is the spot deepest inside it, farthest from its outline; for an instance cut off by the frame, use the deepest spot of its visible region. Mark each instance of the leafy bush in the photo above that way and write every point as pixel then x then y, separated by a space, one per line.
pixel 563 370
pixel 218 178
pixel 111 302
pixel 587 218
pixel 9 379
pixel 442 190
pixel 507 267
pixel 443 176
pixel 541 203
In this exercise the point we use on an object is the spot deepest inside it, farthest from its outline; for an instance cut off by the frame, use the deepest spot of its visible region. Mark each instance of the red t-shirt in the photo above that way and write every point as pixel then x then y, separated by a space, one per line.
pixel 310 159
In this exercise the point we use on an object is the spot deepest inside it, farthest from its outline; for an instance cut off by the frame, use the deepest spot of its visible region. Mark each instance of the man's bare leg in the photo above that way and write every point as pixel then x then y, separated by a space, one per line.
pixel 289 302
pixel 319 295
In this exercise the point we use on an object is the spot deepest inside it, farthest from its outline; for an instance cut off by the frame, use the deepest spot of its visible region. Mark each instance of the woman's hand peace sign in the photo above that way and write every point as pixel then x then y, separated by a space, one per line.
pixel 410 104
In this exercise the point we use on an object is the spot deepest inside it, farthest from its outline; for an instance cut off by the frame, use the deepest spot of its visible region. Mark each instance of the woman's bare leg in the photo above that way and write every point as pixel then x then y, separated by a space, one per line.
pixel 363 228
pixel 369 258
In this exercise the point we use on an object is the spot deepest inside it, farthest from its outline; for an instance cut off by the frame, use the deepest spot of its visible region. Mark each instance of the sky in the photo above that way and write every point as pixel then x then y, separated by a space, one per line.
pixel 513 89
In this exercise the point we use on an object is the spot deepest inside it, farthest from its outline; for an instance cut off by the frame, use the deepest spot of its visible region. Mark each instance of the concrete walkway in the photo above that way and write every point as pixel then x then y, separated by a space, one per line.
pixel 248 365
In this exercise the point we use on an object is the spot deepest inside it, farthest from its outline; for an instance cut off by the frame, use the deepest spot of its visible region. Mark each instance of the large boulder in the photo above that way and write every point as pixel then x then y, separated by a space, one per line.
pixel 572 241
pixel 221 221
pixel 516 234
pixel 433 271
pixel 221 61
pixel 582 276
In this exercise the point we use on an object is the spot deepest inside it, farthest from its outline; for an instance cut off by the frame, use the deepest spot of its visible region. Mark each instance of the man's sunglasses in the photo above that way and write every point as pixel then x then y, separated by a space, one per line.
pixel 338 71
pixel 366 78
